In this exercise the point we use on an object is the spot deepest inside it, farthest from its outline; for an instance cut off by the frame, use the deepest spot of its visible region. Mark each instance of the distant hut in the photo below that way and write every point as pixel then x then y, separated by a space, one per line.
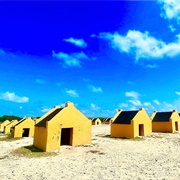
pixel 131 124
pixel 24 128
pixel 8 127
pixel 96 121
pixel 107 121
pixel 103 120
pixel 6 122
pixel 62 126
pixel 165 121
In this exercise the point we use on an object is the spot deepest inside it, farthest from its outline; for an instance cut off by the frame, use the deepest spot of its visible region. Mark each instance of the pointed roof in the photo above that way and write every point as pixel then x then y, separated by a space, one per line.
pixel 125 117
pixel 10 122
pixel 94 119
pixel 20 122
pixel 162 117
pixel 42 123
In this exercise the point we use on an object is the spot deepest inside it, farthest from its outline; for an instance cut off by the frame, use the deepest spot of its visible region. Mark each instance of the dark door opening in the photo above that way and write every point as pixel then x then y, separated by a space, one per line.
pixel 141 129
pixel 176 126
pixel 97 123
pixel 66 136
pixel 25 132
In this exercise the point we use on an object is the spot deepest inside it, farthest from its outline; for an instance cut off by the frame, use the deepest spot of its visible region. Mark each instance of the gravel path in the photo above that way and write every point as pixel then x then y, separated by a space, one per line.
pixel 155 157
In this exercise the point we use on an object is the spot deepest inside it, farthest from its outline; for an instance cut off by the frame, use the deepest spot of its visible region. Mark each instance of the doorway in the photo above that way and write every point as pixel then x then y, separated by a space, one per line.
pixel 66 136
pixel 176 126
pixel 141 129
pixel 25 132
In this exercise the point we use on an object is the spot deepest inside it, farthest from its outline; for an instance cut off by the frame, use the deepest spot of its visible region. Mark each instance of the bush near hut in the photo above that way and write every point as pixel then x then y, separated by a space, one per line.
pixel 31 152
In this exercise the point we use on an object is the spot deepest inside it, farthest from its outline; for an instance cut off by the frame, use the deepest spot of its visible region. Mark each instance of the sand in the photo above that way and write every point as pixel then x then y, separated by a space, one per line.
pixel 155 157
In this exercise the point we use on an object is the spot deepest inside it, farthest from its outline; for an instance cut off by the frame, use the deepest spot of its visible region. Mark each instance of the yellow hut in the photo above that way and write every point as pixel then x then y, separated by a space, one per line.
pixel 165 121
pixel 24 128
pixel 131 124
pixel 62 126
pixel 96 121
pixel 8 127
pixel 6 122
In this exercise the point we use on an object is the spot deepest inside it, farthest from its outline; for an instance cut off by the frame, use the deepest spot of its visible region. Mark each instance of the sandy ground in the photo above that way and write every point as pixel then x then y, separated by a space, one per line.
pixel 155 157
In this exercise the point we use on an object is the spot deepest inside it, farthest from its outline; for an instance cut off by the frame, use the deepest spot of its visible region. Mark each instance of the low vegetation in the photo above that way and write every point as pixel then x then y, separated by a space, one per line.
pixel 31 152
pixel 8 137
pixel 131 139
pixel 7 117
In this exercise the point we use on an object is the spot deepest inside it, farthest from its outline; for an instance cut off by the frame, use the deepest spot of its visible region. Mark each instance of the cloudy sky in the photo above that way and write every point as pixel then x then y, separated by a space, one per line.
pixel 100 55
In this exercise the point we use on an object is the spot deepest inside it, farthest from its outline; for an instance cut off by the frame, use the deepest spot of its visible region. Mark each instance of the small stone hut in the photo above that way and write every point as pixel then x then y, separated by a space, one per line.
pixel 62 126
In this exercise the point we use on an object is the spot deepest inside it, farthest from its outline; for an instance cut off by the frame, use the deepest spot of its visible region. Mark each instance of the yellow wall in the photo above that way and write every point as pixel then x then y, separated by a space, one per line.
pixel 167 126
pixel 68 117
pixel 122 130
pixel 132 130
pixel 96 122
pixel 162 127
pixel 40 137
pixel 6 122
pixel 8 127
pixel 27 123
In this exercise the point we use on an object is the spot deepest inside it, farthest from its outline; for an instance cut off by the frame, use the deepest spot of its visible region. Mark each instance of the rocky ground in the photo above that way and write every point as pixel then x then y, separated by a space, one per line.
pixel 153 157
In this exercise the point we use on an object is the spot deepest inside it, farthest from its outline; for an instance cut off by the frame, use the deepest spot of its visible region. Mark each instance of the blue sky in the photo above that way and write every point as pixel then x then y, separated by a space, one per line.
pixel 102 56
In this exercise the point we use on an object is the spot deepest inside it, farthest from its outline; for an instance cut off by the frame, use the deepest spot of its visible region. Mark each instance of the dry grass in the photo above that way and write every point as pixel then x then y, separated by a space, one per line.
pixel 31 152
pixel 131 139
pixel 9 137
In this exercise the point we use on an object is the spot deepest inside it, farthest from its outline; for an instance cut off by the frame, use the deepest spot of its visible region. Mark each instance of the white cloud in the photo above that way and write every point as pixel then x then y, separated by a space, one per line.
pixel 94 107
pixel 135 102
pixel 152 66
pixel 156 101
pixel 167 107
pixel 8 96
pixel 72 93
pixel 77 42
pixel 142 45
pixel 94 89
pixel 178 93
pixel 132 94
pixel 171 9
pixel 44 110
pixel 172 28
pixel 147 104
pixel 133 108
pixel 20 107
pixel 71 60
pixel 123 105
